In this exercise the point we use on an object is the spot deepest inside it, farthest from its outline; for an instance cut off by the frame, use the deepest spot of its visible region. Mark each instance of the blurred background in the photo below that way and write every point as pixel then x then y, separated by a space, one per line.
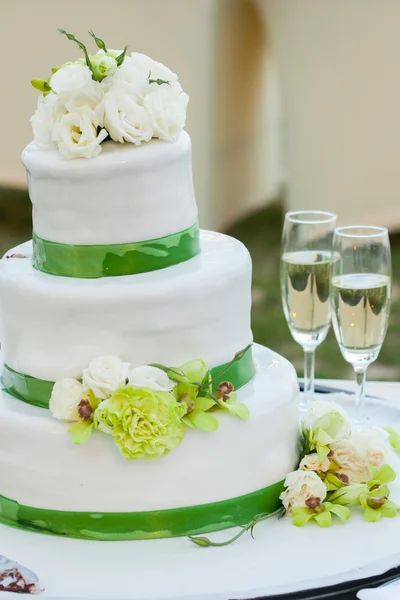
pixel 294 104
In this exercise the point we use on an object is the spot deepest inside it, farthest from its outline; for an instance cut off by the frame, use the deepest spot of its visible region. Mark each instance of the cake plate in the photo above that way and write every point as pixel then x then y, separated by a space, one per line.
pixel 281 561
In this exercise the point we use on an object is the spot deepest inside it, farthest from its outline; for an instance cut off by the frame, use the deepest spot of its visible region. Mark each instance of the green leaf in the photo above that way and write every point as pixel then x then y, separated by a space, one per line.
pixel 301 516
pixel 394 438
pixel 159 81
pixel 203 420
pixel 99 42
pixel 81 45
pixel 120 59
pixel 41 85
pixel 324 519
pixel 55 69
pixel 237 408
pixel 81 431
pixel 340 511
pixel 203 403
pixel 371 515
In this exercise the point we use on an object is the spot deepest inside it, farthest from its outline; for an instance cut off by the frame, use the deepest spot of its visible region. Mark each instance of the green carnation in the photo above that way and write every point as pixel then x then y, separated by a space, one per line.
pixel 144 423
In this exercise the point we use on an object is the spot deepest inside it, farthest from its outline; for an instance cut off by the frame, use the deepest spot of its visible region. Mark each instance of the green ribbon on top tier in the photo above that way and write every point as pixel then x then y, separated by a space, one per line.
pixel 38 391
pixel 113 260
pixel 113 526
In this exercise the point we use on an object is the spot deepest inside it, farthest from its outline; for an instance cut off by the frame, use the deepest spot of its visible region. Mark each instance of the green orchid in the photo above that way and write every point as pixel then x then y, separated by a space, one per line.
pixel 394 438
pixel 194 389
pixel 326 430
pixel 81 430
pixel 322 514
pixel 349 495
pixel 376 504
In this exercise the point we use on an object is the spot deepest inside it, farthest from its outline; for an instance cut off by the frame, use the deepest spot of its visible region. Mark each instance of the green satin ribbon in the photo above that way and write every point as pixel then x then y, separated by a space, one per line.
pixel 112 260
pixel 110 526
pixel 38 391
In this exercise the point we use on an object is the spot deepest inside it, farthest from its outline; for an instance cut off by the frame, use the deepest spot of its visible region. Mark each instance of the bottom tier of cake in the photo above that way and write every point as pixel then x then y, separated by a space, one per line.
pixel 211 481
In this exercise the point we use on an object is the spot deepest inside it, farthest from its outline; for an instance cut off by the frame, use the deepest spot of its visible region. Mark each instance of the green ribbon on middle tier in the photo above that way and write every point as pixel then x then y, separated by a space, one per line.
pixel 38 391
pixel 113 260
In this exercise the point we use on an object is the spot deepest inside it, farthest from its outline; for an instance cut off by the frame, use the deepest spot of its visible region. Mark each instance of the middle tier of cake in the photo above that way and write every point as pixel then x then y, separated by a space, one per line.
pixel 53 326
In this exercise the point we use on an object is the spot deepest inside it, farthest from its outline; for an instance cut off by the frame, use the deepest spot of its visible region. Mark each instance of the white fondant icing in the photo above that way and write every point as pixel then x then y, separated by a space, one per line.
pixel 53 326
pixel 41 467
pixel 127 194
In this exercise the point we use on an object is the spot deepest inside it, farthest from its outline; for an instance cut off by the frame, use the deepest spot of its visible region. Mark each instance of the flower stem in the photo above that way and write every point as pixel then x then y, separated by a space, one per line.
pixel 206 542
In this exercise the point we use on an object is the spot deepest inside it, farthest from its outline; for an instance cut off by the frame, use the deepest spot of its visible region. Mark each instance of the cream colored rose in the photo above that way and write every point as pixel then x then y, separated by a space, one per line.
pixel 151 378
pixel 361 449
pixel 76 88
pixel 124 119
pixel 311 462
pixel 76 134
pixel 65 398
pixel 105 375
pixel 301 486
pixel 48 114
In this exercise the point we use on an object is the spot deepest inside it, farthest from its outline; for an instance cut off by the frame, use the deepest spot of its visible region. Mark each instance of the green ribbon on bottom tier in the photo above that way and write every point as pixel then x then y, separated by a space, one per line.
pixel 110 526
pixel 38 391
pixel 112 260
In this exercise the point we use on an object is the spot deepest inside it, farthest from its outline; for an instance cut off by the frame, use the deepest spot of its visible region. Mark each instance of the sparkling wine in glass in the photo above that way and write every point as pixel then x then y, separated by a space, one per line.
pixel 305 283
pixel 361 291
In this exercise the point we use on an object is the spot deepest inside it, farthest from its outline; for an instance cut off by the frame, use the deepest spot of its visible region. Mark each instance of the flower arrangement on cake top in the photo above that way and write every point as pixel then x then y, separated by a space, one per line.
pixel 109 94
pixel 147 409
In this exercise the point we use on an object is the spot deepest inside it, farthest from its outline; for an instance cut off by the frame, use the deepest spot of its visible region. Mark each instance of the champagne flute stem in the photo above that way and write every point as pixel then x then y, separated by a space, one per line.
pixel 309 370
pixel 360 397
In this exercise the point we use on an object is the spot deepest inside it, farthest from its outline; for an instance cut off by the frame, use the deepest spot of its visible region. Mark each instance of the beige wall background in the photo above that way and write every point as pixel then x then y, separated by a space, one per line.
pixel 220 51
pixel 339 63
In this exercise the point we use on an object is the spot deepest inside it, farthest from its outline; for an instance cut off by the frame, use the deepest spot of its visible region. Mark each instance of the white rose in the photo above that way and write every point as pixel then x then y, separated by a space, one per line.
pixel 361 449
pixel 150 377
pixel 49 111
pixel 65 398
pixel 76 88
pixel 321 408
pixel 300 487
pixel 149 67
pixel 124 119
pixel 311 462
pixel 76 134
pixel 103 65
pixel 166 104
pixel 105 375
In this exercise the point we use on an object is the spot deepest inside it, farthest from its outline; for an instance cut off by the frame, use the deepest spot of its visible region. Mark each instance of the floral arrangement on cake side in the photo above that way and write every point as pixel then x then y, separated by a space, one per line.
pixel 109 94
pixel 146 410
pixel 339 468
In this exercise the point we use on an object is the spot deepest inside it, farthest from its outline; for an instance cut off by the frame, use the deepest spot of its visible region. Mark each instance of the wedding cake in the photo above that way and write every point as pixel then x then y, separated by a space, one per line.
pixel 124 323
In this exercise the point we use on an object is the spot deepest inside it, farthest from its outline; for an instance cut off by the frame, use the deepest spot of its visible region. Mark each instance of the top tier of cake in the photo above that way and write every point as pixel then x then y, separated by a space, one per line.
pixel 127 194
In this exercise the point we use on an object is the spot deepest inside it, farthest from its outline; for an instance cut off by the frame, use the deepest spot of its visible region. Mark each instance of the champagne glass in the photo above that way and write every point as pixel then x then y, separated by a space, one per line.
pixel 305 283
pixel 361 290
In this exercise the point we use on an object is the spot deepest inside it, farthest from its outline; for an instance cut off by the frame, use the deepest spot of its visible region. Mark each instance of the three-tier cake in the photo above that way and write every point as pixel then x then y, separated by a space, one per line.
pixel 119 269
